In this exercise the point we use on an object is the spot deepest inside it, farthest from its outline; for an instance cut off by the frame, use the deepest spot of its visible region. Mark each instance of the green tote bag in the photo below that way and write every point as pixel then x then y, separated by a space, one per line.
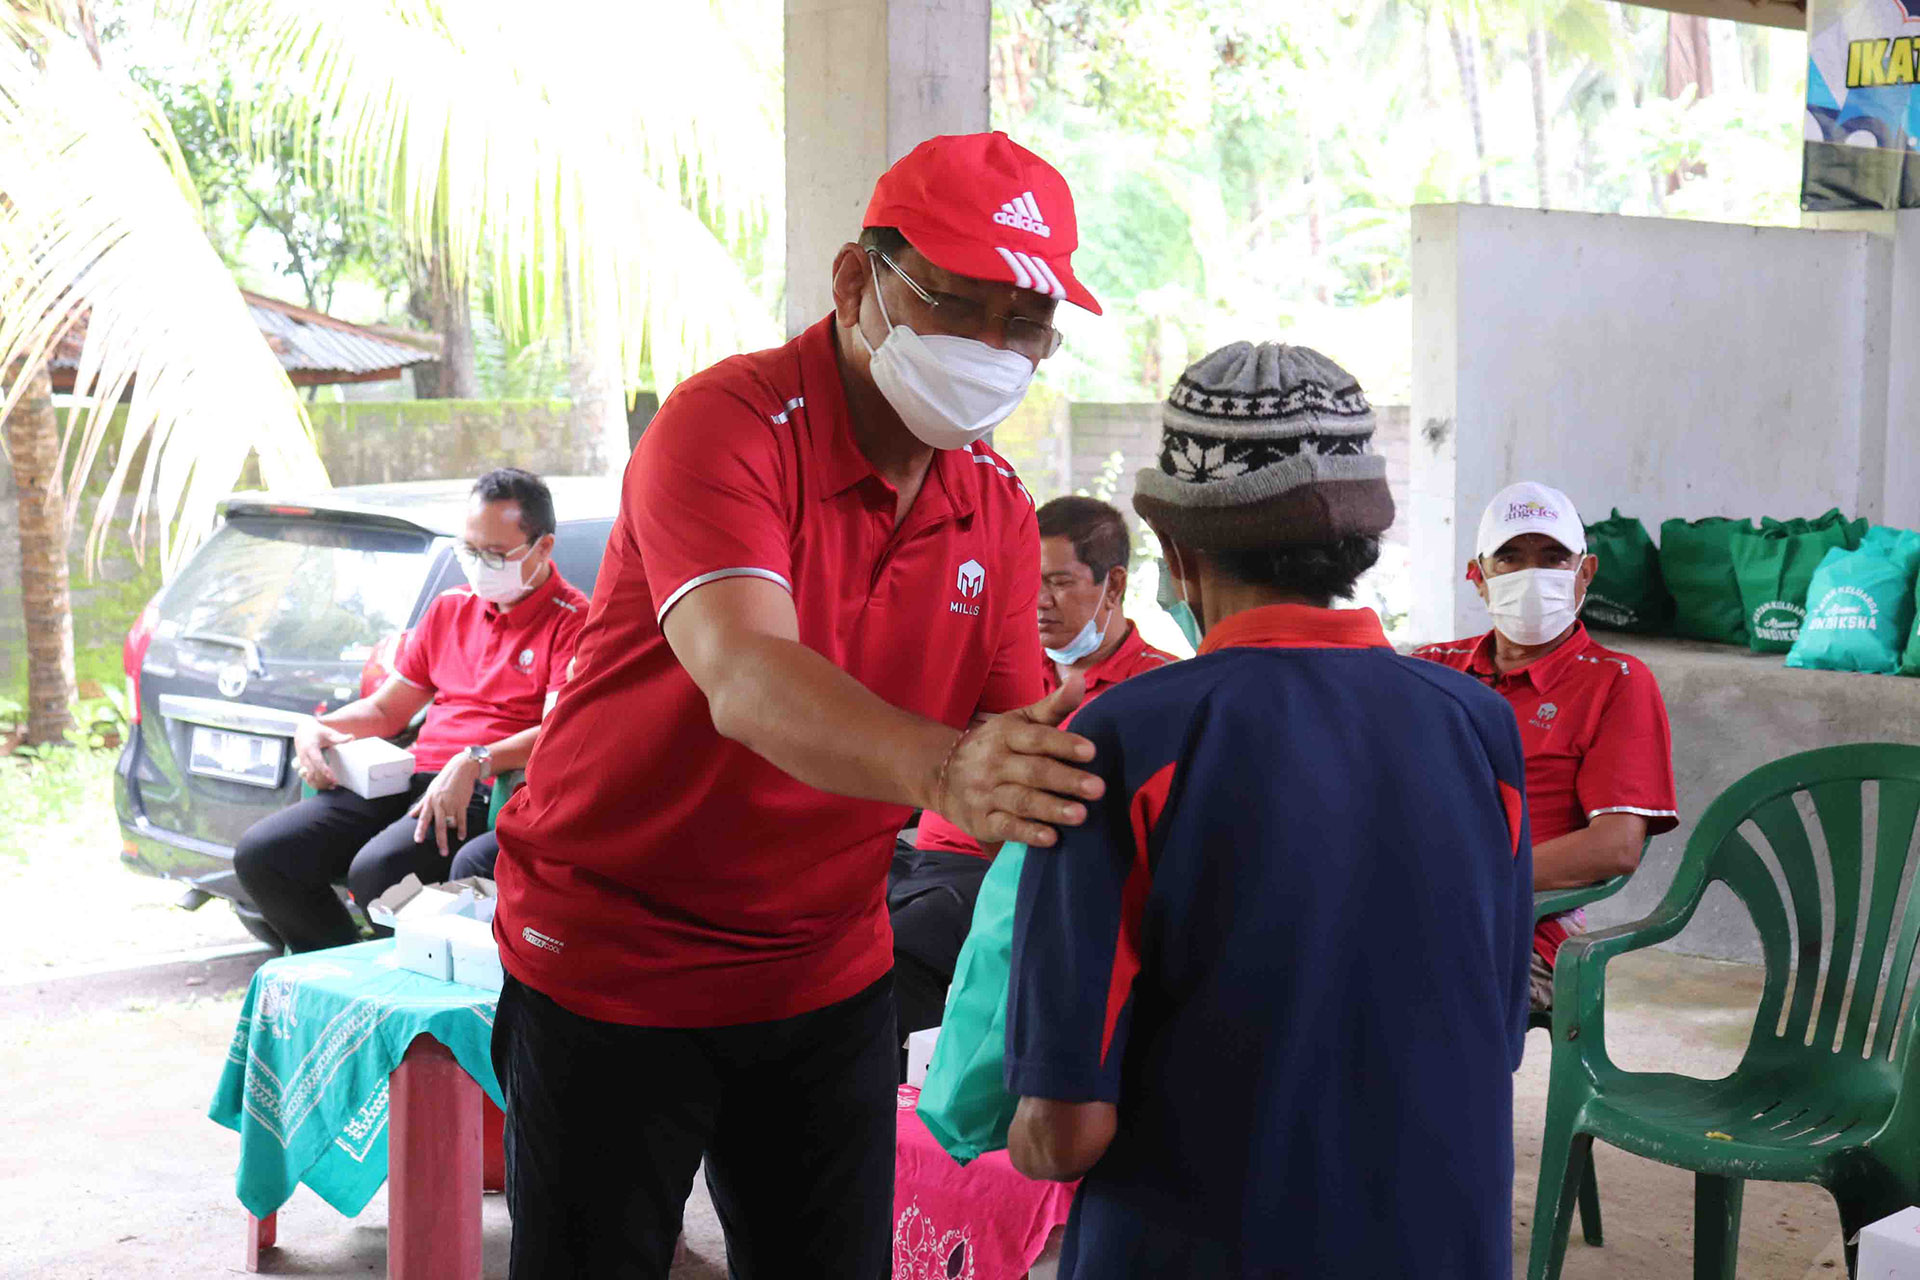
pixel 1629 593
pixel 1697 558
pixel 1860 607
pixel 1775 567
pixel 965 1103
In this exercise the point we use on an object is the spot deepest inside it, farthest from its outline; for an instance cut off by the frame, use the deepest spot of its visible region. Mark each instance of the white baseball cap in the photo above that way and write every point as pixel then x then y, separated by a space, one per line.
pixel 1530 508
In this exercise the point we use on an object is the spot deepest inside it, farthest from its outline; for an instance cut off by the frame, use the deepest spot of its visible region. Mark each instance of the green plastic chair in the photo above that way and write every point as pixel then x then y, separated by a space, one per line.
pixel 503 788
pixel 1552 902
pixel 1813 1099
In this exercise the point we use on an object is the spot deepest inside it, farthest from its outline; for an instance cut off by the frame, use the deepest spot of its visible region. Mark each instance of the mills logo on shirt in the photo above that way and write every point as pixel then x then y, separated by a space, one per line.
pixel 970 580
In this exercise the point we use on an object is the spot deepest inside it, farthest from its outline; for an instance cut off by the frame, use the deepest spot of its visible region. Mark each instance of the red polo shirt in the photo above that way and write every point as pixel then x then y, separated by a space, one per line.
pixel 489 669
pixel 1133 656
pixel 1595 732
pixel 654 873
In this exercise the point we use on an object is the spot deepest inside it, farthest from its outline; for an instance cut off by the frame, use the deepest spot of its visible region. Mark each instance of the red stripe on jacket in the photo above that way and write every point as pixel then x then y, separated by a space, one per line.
pixel 1148 803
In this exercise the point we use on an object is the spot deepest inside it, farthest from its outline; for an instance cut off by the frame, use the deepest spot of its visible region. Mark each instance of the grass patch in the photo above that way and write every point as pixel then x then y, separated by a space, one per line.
pixel 46 795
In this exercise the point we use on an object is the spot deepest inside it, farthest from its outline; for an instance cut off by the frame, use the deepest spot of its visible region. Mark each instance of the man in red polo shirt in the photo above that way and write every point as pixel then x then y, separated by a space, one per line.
pixel 482 660
pixel 1084 550
pixel 815 615
pixel 1593 724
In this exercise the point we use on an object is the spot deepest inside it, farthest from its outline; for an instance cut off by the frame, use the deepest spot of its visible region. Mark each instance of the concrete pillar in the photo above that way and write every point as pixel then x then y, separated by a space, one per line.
pixel 866 81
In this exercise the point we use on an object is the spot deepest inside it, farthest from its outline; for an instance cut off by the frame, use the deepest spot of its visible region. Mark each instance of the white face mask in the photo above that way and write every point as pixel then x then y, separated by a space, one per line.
pixel 496 586
pixel 949 391
pixel 1534 606
pixel 1088 641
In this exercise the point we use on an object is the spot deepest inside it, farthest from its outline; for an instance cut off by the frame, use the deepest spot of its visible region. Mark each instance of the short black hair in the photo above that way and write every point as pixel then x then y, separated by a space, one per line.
pixel 1096 529
pixel 887 240
pixel 511 484
pixel 1321 572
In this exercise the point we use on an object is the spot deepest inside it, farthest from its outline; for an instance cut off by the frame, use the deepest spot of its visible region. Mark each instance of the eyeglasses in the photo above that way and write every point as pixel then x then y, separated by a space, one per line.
pixel 968 318
pixel 491 559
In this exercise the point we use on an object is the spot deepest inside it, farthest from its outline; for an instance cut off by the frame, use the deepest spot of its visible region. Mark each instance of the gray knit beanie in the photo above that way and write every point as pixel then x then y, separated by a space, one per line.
pixel 1265 445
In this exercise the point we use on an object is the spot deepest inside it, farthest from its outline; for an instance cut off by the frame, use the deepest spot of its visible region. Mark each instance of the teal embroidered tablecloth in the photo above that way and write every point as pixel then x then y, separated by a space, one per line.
pixel 305 1084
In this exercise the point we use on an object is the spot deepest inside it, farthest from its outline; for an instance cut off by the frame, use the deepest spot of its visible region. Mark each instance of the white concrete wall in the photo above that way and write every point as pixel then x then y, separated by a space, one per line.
pixel 866 81
pixel 1669 368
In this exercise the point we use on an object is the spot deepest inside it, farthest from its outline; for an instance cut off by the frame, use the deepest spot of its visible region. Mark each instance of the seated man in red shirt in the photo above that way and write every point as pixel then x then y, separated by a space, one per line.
pixel 1592 722
pixel 1084 549
pixel 482 659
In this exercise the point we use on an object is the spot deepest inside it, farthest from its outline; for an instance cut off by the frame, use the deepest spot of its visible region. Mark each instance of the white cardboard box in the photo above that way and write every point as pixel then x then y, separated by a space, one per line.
pixel 417 902
pixel 1890 1248
pixel 370 767
pixel 425 946
pixel 476 956
pixel 920 1055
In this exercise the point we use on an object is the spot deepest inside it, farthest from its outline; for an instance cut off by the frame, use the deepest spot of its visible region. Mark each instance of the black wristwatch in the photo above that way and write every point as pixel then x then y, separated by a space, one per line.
pixel 482 756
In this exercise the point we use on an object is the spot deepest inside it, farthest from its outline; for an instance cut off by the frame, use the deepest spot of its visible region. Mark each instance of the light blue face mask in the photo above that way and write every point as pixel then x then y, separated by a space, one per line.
pixel 1088 641
pixel 1168 598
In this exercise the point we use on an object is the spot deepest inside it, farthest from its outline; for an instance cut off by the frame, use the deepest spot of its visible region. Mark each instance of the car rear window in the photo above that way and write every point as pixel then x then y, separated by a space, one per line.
pixel 310 590
pixel 577 548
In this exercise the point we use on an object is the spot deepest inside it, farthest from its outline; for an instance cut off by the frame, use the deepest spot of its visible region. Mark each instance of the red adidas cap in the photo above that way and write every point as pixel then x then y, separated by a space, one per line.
pixel 982 205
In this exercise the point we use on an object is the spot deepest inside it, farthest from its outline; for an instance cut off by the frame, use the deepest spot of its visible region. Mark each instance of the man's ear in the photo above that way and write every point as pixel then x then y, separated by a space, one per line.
pixel 1589 567
pixel 1117 581
pixel 850 278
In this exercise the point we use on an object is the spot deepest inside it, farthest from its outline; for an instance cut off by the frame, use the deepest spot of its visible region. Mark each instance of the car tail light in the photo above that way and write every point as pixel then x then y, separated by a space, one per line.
pixel 379 664
pixel 134 653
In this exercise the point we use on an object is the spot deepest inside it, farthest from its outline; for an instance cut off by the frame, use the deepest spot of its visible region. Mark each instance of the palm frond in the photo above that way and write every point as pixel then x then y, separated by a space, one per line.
pixel 555 142
pixel 99 222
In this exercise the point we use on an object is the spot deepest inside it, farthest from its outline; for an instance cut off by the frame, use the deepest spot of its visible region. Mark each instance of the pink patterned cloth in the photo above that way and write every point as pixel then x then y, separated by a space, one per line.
pixel 981 1222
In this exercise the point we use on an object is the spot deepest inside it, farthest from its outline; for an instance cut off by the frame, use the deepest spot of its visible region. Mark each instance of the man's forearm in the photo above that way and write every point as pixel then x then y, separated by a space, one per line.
pixel 363 718
pixel 1584 857
pixel 512 752
pixel 788 704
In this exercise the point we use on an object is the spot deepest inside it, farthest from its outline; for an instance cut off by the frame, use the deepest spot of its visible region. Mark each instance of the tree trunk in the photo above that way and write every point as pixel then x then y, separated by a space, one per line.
pixel 1537 73
pixel 1689 66
pixel 1465 58
pixel 441 303
pixel 597 389
pixel 33 440
pixel 1316 225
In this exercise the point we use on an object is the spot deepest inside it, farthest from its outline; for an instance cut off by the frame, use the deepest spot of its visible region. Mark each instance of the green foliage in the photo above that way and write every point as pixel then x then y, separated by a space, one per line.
pixel 1244 168
pixel 311 231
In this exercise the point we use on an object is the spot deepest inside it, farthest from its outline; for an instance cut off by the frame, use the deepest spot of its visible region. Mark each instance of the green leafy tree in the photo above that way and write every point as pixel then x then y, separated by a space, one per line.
pixel 480 131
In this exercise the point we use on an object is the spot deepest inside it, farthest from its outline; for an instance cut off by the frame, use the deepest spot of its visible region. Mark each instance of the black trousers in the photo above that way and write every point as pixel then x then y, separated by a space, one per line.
pixel 287 862
pixel 606 1124
pixel 476 857
pixel 930 897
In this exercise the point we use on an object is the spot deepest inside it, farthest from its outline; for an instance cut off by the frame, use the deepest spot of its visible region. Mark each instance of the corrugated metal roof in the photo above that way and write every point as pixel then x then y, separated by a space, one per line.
pixel 314 348
pixel 320 343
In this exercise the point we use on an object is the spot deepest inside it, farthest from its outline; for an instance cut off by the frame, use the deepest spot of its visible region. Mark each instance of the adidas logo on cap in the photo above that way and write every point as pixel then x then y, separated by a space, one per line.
pixel 1022 213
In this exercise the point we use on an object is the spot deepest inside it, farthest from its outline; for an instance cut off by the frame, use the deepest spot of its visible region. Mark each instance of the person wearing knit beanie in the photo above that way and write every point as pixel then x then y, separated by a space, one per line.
pixel 1279 976
pixel 1267 470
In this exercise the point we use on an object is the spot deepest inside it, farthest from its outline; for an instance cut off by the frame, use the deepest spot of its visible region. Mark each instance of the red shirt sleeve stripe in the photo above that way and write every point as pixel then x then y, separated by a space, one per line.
pixel 1144 811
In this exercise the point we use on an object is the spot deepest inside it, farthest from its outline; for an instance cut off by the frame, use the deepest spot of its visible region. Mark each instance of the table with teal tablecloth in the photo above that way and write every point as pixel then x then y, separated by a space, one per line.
pixel 306 1077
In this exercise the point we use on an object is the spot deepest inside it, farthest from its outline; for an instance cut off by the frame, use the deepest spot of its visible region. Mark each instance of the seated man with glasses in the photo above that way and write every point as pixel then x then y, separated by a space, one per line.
pixel 482 660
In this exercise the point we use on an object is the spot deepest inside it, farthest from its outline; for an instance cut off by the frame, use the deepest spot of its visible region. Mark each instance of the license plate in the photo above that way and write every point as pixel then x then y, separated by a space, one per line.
pixel 252 758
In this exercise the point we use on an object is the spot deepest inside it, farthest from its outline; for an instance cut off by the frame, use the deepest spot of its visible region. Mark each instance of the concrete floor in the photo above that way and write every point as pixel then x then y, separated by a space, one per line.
pixel 110 1168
